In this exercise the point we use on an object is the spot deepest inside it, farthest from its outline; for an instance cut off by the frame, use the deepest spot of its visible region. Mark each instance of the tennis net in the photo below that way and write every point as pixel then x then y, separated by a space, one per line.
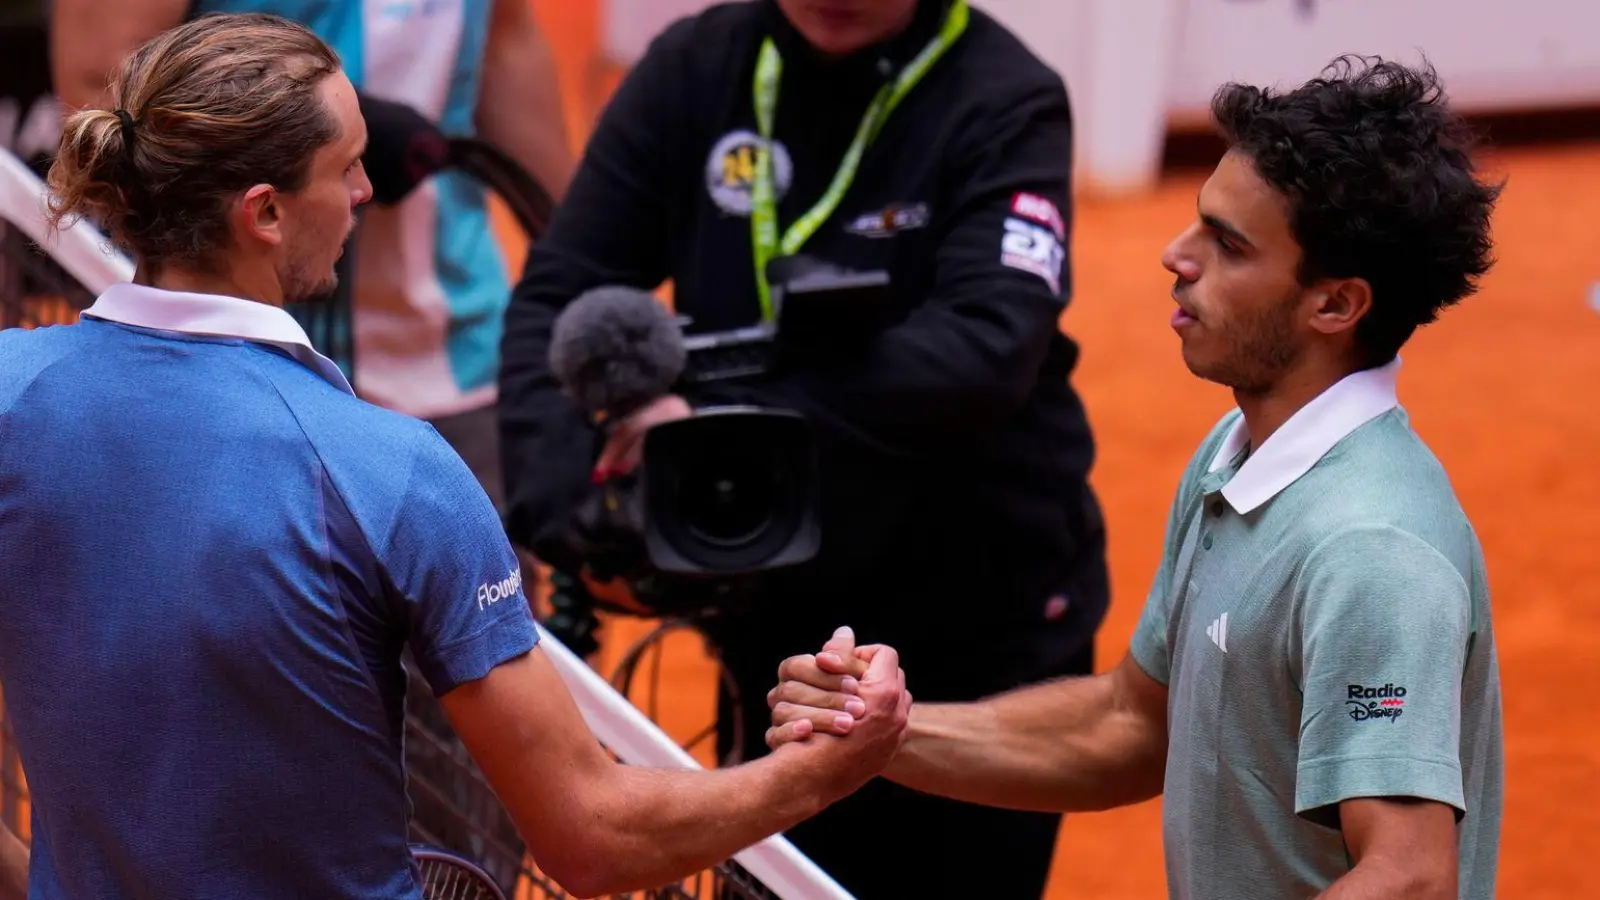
pixel 47 278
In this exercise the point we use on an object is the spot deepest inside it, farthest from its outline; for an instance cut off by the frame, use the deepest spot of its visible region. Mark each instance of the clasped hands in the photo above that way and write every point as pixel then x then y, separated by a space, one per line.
pixel 838 691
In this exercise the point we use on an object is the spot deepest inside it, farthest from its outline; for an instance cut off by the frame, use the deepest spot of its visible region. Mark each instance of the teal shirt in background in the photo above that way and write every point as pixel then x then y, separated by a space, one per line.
pixel 430 283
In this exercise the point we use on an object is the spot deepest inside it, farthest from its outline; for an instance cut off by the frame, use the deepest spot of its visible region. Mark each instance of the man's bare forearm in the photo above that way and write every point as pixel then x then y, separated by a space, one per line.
pixel 653 825
pixel 520 110
pixel 1064 746
pixel 13 866
pixel 1391 883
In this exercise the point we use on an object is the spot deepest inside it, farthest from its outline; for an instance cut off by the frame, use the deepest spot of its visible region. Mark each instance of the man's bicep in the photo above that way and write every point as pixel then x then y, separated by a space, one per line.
pixel 456 577
pixel 1384 625
pixel 89 39
pixel 1408 845
pixel 514 14
pixel 1142 691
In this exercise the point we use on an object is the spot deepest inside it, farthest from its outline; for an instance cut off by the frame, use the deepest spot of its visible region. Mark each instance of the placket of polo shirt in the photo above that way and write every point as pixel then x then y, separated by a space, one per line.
pixel 1183 568
pixel 1212 503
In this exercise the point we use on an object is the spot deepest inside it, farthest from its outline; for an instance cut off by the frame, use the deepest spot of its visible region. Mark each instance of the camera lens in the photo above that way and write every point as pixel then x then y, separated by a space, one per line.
pixel 726 500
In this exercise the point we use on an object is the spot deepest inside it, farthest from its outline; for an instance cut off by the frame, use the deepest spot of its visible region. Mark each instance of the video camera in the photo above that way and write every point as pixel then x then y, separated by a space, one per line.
pixel 730 493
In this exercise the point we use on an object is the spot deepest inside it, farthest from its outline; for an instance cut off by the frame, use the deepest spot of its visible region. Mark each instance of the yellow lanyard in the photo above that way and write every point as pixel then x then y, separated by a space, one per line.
pixel 763 202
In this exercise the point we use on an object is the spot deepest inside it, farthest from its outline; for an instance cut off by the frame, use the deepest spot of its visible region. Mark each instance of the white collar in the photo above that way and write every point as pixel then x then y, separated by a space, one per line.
pixel 213 315
pixel 1310 433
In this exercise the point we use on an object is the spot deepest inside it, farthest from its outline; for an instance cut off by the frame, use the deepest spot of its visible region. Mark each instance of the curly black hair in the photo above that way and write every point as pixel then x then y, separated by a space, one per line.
pixel 1381 186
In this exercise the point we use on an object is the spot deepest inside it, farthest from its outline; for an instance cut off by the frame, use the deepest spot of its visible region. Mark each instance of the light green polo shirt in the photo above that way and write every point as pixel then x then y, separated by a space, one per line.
pixel 1321 621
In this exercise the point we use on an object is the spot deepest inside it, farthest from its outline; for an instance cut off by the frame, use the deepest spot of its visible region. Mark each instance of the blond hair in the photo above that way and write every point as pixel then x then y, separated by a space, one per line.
pixel 199 113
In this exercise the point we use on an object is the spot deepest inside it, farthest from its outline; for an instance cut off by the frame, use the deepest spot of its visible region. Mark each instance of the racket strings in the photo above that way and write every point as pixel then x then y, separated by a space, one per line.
pixel 443 880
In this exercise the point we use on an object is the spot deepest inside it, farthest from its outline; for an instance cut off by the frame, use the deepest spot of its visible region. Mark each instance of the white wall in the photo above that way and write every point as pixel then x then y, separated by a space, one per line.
pixel 1134 68
pixel 1492 54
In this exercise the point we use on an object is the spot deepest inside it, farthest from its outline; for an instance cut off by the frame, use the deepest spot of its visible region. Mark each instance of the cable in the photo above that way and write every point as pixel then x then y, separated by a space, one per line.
pixel 627 669
pixel 529 202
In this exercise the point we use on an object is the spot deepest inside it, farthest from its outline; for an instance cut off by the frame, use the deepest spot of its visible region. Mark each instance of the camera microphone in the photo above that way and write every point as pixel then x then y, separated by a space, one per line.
pixel 616 349
pixel 729 492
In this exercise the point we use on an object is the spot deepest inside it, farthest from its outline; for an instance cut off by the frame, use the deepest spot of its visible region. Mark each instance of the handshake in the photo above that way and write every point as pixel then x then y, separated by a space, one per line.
pixel 851 701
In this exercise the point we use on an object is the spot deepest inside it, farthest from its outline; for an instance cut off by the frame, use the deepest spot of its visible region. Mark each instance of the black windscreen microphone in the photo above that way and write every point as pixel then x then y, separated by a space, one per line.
pixel 615 350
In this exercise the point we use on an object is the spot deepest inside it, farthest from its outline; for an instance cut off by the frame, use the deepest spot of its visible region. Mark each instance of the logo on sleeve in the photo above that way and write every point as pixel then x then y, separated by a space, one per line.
pixel 1033 249
pixel 1387 702
pixel 1040 210
pixel 492 592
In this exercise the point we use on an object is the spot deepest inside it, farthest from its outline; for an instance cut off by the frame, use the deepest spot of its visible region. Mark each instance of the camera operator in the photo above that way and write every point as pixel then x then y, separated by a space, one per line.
pixel 953 453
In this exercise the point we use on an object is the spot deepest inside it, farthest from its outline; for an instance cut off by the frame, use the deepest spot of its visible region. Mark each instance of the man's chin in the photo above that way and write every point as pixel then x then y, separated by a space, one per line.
pixel 1231 379
pixel 321 295
pixel 1205 371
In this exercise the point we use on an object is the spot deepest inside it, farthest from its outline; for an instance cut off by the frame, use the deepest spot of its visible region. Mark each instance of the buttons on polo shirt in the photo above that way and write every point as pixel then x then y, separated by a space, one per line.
pixel 1207 542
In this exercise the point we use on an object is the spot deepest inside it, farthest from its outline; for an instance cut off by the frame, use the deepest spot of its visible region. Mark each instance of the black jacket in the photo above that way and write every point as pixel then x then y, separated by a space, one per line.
pixel 954 450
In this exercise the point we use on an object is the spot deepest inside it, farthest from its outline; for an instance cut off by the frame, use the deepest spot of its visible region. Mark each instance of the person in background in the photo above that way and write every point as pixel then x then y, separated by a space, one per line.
pixel 214 553
pixel 429 283
pixel 922 138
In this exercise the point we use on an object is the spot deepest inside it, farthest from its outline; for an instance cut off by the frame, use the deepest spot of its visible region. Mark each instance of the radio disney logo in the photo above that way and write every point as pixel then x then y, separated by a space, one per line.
pixel 1385 702
pixel 490 593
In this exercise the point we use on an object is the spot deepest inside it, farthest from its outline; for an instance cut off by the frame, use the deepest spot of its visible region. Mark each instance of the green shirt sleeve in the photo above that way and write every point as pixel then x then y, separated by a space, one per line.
pixel 1384 622
pixel 1149 646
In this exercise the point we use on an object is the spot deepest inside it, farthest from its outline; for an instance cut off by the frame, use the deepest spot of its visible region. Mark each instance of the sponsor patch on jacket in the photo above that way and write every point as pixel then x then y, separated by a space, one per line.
pixel 1031 247
pixel 889 221
pixel 1039 209
pixel 730 171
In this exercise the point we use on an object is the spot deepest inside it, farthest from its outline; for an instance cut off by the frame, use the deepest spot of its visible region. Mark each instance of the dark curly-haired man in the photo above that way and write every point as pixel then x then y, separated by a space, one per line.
pixel 1313 684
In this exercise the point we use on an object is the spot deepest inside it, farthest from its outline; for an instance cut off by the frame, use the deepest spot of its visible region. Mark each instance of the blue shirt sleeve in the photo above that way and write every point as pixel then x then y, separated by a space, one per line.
pixel 453 572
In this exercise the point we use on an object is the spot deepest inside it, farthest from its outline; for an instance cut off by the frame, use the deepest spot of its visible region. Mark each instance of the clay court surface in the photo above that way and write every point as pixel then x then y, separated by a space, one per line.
pixel 1503 388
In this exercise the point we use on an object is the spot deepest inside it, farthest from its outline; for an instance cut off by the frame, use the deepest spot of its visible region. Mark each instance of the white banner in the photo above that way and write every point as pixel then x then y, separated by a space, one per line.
pixel 1491 54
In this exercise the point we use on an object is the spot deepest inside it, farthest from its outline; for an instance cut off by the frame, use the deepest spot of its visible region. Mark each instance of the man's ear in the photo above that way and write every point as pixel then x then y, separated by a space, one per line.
pixel 258 215
pixel 1340 304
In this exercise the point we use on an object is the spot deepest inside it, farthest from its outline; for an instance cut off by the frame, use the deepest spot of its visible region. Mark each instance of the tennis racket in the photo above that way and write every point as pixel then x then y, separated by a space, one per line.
pixel 450 876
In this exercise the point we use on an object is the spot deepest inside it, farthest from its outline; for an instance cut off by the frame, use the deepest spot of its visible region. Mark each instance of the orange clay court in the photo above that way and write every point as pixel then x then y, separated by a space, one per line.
pixel 1503 388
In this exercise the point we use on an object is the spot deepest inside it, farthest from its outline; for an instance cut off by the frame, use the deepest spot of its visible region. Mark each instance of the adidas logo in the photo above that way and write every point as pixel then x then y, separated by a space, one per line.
pixel 1218 632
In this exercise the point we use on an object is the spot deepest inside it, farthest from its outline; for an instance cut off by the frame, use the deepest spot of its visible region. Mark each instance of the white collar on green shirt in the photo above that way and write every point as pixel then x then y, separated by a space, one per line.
pixel 213 315
pixel 1309 434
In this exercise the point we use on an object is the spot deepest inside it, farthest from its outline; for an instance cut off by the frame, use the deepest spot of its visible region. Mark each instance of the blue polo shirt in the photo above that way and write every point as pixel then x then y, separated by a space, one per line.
pixel 211 558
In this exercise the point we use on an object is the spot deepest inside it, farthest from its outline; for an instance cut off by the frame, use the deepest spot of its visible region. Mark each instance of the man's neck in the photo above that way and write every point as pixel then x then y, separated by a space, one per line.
pixel 896 31
pixel 1266 411
pixel 227 284
pixel 903 25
